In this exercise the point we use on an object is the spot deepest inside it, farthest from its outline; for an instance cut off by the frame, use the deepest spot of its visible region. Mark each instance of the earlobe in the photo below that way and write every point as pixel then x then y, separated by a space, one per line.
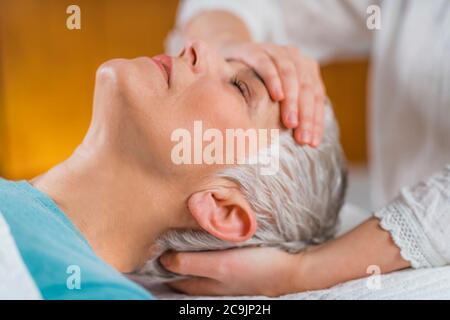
pixel 224 213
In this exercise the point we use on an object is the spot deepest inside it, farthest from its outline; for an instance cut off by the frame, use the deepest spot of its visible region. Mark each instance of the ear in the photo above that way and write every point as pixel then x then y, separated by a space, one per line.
pixel 224 213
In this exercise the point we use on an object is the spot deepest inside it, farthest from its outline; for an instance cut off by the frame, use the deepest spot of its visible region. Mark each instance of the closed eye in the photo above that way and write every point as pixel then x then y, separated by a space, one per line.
pixel 242 87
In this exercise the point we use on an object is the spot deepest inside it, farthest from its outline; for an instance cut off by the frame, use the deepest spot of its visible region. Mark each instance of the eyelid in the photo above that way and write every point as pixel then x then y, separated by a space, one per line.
pixel 243 88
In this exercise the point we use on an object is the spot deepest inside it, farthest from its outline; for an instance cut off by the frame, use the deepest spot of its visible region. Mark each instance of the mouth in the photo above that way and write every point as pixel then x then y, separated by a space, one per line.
pixel 164 62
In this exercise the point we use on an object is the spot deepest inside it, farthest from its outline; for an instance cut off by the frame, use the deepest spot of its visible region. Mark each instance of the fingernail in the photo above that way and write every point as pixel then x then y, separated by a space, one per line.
pixel 279 93
pixel 316 141
pixel 292 118
pixel 165 259
pixel 306 136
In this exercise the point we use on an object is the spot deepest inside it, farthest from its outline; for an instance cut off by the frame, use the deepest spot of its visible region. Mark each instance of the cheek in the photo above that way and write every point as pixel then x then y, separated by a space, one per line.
pixel 216 106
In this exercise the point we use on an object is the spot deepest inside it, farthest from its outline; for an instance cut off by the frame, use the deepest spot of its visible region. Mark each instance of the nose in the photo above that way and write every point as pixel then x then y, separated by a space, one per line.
pixel 196 55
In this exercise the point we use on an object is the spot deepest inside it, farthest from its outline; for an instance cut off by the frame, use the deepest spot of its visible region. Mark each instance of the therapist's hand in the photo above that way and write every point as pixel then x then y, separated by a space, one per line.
pixel 248 271
pixel 291 78
pixel 272 272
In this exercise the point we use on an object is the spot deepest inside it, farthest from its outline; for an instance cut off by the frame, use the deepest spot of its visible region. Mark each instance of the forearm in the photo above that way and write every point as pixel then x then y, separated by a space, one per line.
pixel 216 28
pixel 418 223
pixel 348 257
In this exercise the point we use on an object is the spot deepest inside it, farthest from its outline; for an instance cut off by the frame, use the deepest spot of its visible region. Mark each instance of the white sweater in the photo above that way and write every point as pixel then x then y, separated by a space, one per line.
pixel 409 106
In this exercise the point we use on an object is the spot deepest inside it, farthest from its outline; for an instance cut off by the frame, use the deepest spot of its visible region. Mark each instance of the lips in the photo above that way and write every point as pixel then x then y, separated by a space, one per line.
pixel 164 62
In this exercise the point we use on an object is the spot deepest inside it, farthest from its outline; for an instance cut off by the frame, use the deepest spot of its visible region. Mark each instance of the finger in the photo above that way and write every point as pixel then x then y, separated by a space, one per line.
pixel 199 286
pixel 316 76
pixel 310 77
pixel 320 102
pixel 265 67
pixel 314 79
pixel 201 264
pixel 304 132
pixel 319 112
pixel 289 81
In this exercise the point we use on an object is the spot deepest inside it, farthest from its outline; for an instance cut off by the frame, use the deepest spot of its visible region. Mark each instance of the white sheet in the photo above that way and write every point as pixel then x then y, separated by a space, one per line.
pixel 406 284
pixel 15 281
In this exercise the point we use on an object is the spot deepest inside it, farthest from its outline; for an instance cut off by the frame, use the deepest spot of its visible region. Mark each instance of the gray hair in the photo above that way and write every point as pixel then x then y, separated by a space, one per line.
pixel 296 207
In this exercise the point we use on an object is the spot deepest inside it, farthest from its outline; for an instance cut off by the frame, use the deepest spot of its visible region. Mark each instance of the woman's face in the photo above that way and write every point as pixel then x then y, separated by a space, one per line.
pixel 152 97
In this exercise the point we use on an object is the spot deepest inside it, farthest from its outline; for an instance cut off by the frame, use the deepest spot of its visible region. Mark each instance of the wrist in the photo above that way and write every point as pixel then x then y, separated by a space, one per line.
pixel 217 28
pixel 303 269
pixel 227 45
pixel 348 257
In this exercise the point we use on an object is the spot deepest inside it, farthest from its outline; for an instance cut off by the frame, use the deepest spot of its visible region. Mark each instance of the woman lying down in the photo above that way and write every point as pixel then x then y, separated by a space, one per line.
pixel 121 200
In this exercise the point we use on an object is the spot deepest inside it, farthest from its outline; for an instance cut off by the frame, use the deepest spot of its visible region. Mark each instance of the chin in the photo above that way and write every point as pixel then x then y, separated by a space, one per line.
pixel 128 71
pixel 111 71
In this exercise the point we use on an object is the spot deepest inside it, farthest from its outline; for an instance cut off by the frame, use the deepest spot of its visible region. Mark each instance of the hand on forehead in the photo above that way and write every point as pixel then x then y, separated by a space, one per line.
pixel 262 108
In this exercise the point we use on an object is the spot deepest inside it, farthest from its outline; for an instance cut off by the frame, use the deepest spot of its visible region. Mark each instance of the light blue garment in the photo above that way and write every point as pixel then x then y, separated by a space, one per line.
pixel 55 252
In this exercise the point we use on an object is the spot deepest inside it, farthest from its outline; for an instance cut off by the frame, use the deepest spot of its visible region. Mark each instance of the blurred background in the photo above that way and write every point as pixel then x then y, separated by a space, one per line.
pixel 47 79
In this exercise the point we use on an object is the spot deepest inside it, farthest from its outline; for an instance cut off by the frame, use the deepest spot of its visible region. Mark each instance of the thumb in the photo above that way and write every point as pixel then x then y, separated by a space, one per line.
pixel 198 286
pixel 200 264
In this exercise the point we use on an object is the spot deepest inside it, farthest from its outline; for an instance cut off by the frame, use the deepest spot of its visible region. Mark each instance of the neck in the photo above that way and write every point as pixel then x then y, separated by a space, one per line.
pixel 117 207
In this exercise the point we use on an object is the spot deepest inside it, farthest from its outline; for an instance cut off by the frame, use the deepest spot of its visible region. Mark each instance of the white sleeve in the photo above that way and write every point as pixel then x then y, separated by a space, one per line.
pixel 330 29
pixel 419 221
pixel 323 29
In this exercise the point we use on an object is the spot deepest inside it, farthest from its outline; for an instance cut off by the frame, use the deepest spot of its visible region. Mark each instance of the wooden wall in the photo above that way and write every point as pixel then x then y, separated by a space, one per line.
pixel 346 85
pixel 2 107
pixel 47 75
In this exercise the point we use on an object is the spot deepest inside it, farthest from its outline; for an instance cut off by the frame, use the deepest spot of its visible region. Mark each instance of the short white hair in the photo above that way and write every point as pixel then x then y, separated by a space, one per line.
pixel 295 207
